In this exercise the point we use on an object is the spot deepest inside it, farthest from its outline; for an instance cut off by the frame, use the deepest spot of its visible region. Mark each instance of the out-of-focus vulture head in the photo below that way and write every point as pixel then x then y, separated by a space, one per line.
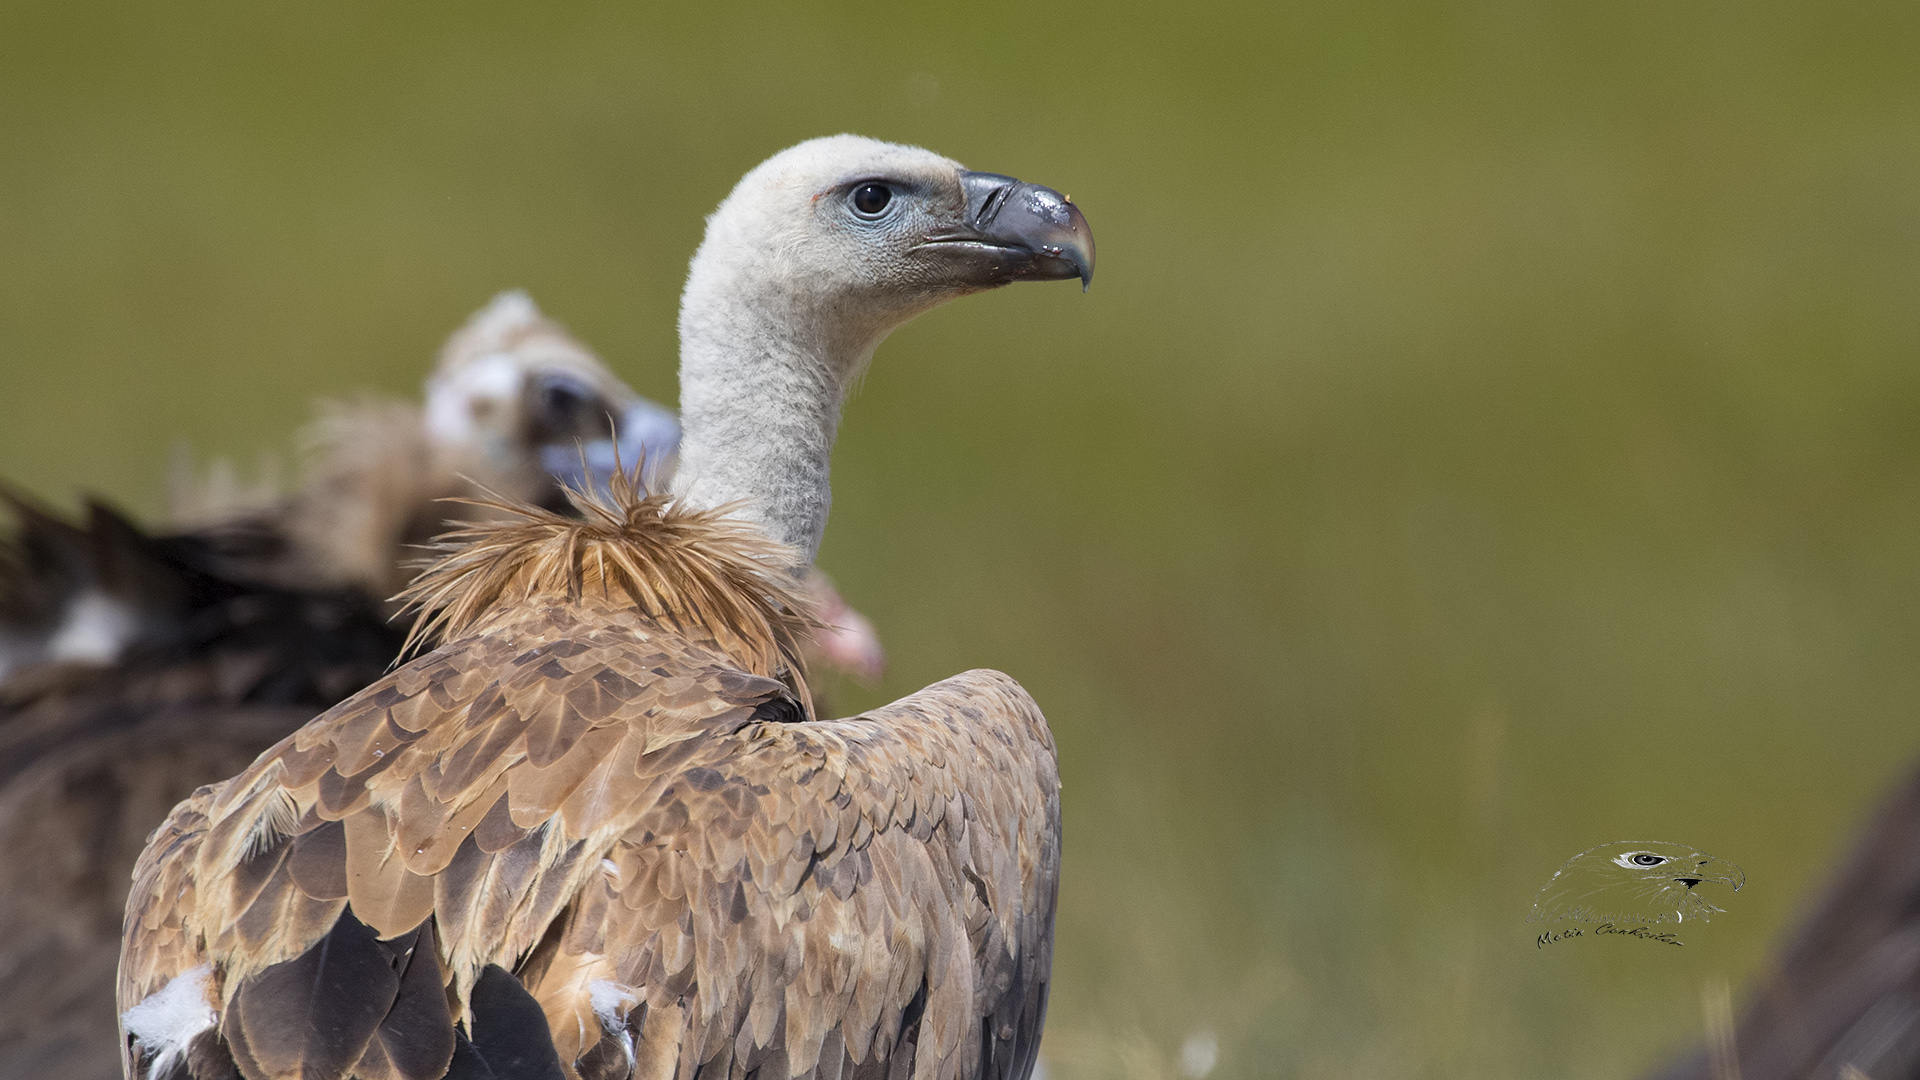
pixel 517 404
pixel 516 407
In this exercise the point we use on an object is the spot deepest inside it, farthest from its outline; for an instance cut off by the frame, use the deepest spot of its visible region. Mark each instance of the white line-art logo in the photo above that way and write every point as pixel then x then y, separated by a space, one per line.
pixel 1631 885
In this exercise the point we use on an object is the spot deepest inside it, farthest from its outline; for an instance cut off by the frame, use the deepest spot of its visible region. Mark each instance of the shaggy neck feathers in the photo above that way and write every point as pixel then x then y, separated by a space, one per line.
pixel 686 567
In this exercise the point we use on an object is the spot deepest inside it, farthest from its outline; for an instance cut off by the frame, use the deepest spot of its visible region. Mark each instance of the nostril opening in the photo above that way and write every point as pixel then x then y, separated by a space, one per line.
pixel 990 208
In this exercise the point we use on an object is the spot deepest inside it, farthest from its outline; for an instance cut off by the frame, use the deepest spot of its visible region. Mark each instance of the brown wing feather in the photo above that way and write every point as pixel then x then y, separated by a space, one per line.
pixel 381 807
pixel 676 878
pixel 846 927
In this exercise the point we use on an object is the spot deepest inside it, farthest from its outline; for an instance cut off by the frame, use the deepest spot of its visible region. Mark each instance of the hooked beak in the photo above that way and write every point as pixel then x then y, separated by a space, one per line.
pixel 1016 231
pixel 1712 869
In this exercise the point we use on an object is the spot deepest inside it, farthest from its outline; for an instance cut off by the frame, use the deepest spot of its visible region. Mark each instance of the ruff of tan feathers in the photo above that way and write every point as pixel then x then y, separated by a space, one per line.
pixel 693 569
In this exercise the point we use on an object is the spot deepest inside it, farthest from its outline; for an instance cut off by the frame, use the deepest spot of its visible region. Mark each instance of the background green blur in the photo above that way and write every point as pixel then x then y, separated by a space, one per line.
pixel 1492 431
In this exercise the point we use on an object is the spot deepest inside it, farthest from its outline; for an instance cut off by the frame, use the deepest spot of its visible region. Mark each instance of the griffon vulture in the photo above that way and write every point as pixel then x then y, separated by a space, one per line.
pixel 151 665
pixel 596 832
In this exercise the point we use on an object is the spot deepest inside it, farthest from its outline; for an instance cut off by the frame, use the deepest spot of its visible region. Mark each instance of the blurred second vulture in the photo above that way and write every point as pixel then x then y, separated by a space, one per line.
pixel 136 667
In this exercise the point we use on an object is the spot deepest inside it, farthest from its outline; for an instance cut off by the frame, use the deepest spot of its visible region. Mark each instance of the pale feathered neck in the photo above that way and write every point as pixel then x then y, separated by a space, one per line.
pixel 764 369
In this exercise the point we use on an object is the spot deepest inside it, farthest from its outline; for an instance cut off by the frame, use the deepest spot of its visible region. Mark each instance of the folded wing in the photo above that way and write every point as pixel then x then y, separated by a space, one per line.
pixel 622 827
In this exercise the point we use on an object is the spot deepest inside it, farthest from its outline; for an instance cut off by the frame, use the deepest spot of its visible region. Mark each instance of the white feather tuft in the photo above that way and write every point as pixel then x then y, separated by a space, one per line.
pixel 456 401
pixel 167 1021
pixel 94 631
pixel 611 1002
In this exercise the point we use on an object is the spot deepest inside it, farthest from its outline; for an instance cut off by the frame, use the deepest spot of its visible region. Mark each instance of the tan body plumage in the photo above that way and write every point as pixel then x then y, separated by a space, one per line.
pixel 609 789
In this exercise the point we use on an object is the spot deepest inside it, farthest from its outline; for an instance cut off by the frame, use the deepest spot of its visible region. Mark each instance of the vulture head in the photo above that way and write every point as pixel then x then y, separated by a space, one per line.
pixel 853 237
pixel 816 255
pixel 515 405
pixel 519 404
pixel 1634 881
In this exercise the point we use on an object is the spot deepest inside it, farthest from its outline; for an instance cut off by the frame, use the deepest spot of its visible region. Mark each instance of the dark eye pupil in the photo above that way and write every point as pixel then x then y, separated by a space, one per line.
pixel 1646 860
pixel 870 199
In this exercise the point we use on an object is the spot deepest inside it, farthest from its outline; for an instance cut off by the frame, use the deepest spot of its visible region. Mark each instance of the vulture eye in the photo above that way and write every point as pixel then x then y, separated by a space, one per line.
pixel 871 200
